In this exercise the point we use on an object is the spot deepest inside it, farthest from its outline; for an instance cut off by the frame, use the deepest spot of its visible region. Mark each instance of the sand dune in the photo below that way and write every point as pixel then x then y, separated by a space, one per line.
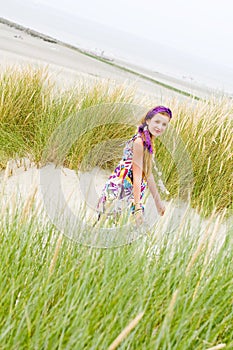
pixel 68 200
pixel 23 184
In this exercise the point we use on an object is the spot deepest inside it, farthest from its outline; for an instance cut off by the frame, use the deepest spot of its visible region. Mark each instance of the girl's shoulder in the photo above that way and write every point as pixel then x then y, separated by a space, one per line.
pixel 128 149
pixel 137 138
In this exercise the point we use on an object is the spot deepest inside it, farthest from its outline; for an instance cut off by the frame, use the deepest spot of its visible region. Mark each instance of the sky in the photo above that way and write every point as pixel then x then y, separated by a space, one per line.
pixel 201 27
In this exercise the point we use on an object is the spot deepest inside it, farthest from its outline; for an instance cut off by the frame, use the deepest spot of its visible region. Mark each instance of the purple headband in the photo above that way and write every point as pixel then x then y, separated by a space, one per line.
pixel 143 128
pixel 159 109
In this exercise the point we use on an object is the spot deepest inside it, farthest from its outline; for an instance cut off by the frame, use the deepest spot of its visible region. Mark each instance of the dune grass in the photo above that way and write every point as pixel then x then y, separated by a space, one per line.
pixel 30 111
pixel 175 286
pixel 205 128
pixel 59 295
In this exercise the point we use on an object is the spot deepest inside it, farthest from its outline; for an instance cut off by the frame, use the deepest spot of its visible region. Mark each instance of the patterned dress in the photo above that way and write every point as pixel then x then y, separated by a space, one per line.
pixel 117 194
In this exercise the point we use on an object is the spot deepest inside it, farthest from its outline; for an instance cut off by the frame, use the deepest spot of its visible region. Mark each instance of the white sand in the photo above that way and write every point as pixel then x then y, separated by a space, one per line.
pixel 17 47
pixel 58 196
pixel 23 184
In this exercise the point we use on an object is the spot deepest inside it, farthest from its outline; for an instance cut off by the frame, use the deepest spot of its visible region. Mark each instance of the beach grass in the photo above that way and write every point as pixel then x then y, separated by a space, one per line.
pixel 172 290
pixel 205 129
pixel 31 109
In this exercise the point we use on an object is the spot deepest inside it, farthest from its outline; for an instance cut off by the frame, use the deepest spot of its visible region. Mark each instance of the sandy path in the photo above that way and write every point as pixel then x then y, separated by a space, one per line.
pixel 17 47
pixel 58 196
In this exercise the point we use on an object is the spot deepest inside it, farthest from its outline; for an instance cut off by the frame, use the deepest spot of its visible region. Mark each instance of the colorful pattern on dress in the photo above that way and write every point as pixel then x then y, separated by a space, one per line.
pixel 119 186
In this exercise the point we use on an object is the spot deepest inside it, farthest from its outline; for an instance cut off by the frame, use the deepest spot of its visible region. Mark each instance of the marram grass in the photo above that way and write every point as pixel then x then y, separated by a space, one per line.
pixel 171 290
pixel 31 109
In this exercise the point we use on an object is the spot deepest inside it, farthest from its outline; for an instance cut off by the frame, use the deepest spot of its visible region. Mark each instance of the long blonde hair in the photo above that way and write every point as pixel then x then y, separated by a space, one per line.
pixel 147 156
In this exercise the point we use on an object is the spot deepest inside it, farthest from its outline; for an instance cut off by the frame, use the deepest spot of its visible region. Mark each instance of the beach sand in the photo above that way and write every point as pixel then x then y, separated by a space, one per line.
pixel 20 46
pixel 57 195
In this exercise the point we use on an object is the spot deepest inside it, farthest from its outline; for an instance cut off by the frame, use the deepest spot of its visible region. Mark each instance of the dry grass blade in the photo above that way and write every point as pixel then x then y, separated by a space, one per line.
pixel 126 331
pixel 54 259
pixel 217 347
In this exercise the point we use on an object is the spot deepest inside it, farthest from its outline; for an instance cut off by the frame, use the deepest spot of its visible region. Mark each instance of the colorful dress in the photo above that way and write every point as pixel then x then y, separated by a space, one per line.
pixel 117 194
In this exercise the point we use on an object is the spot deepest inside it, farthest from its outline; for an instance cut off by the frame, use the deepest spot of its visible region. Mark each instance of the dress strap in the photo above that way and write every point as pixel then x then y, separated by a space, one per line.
pixel 135 137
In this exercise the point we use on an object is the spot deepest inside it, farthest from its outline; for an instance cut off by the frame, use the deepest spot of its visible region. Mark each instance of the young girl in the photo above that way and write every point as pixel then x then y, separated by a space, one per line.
pixel 126 186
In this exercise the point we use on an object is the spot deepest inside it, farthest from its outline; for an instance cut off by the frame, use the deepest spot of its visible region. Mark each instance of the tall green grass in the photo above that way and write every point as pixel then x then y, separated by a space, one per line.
pixel 31 109
pixel 175 285
pixel 59 295
pixel 206 130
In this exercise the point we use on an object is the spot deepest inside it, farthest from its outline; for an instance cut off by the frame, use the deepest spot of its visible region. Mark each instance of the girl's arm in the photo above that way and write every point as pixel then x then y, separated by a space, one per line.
pixel 137 166
pixel 155 194
pixel 153 188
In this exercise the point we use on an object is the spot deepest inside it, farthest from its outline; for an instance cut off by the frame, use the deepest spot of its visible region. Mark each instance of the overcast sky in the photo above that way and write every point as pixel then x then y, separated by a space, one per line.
pixel 201 27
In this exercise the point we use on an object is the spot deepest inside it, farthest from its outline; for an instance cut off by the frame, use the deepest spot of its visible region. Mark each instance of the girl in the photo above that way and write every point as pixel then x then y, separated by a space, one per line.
pixel 126 186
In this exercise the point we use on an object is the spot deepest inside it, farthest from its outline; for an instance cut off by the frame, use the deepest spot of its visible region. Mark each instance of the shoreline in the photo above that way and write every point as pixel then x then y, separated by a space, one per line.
pixel 166 84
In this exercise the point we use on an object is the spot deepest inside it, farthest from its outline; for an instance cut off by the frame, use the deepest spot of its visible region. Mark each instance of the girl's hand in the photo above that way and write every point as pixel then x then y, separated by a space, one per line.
pixel 139 218
pixel 160 207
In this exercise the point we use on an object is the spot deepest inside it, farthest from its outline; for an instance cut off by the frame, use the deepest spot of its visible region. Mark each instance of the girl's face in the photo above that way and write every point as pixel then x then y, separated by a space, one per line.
pixel 158 124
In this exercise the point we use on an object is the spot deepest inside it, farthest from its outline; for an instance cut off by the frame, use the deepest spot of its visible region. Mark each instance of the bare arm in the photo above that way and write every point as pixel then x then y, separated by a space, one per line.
pixel 155 194
pixel 153 188
pixel 137 166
